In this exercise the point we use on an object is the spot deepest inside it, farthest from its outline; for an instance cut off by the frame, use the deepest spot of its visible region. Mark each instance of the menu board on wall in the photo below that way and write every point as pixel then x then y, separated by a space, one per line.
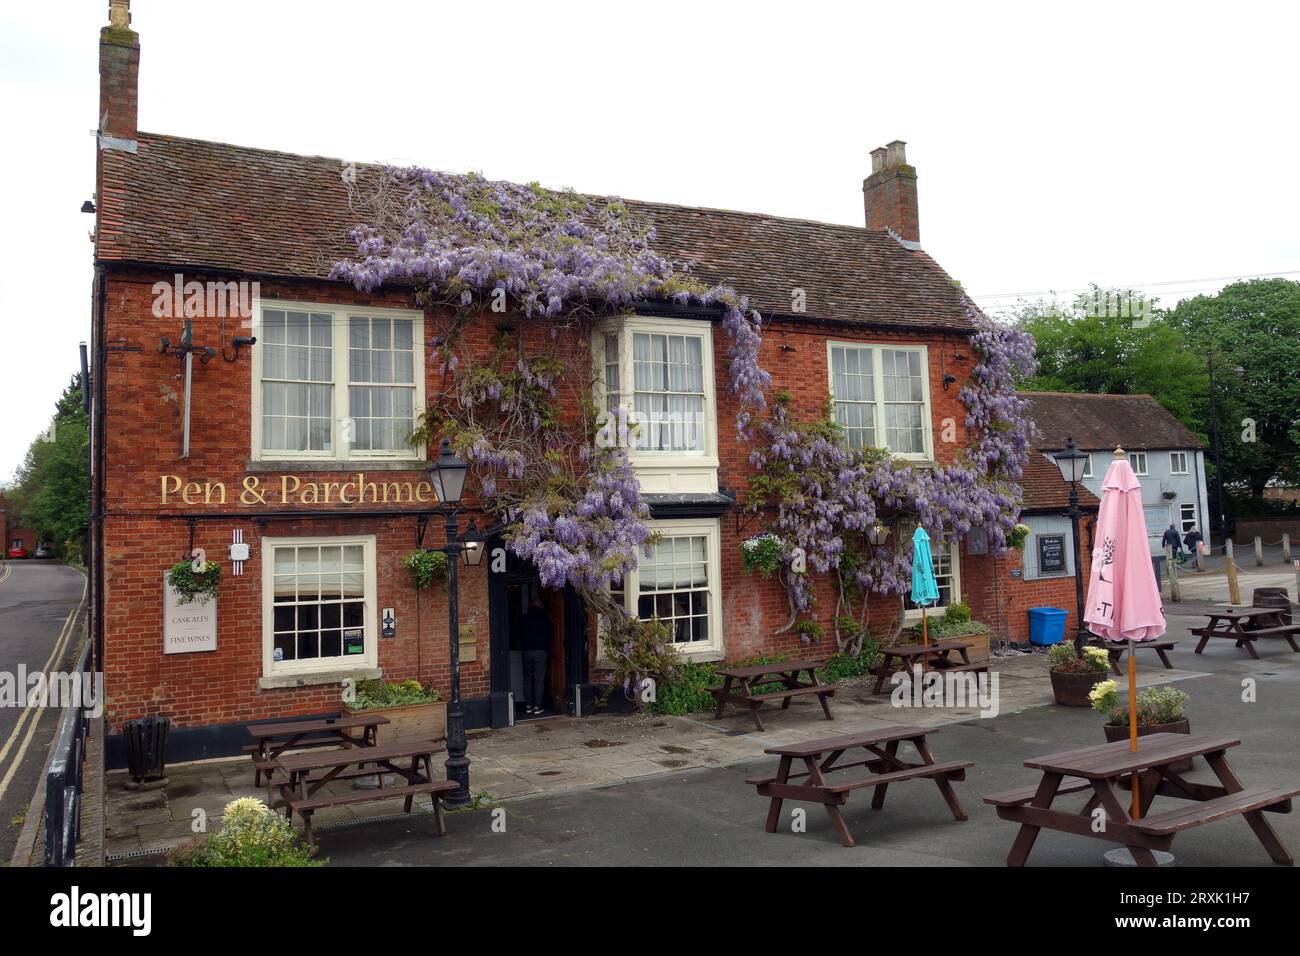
pixel 1051 554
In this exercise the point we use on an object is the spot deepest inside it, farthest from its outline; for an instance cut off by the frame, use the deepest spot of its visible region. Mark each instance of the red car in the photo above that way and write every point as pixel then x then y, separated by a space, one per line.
pixel 17 551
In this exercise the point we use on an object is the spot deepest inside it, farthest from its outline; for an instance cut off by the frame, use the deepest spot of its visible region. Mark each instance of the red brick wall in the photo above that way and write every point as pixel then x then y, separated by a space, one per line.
pixel 1003 602
pixel 143 443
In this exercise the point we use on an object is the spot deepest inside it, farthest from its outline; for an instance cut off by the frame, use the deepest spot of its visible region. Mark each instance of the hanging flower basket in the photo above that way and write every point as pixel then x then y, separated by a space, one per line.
pixel 191 584
pixel 425 567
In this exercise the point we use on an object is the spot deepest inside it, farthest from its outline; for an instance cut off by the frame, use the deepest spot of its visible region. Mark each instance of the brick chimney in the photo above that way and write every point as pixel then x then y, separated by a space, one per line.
pixel 119 78
pixel 889 193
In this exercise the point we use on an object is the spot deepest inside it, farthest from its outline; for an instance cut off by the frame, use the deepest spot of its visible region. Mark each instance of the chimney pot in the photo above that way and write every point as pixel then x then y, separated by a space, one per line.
pixel 119 74
pixel 889 193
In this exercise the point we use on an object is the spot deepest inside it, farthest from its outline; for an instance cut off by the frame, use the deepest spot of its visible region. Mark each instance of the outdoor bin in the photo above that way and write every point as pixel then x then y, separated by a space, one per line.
pixel 1046 625
pixel 1158 566
pixel 146 747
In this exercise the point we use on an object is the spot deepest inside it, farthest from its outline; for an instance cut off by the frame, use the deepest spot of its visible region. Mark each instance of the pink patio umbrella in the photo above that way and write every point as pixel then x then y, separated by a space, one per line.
pixel 1123 593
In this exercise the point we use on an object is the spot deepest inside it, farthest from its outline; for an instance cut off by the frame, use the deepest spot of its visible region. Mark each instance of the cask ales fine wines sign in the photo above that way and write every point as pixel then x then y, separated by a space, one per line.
pixel 188 628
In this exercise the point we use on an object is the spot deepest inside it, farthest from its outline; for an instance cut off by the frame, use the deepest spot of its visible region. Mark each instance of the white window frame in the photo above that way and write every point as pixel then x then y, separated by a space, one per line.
pixel 1133 458
pixel 1183 520
pixel 914 614
pixel 1174 470
pixel 370 617
pixel 711 528
pixel 339 358
pixel 878 380
pixel 662 471
pixel 1087 467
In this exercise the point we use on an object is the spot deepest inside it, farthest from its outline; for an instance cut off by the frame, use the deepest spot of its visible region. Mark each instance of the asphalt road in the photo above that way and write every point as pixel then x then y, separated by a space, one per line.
pixel 39 629
pixel 711 817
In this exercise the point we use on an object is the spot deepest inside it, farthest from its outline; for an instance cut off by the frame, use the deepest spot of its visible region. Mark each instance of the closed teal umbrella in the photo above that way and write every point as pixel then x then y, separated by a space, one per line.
pixel 925 590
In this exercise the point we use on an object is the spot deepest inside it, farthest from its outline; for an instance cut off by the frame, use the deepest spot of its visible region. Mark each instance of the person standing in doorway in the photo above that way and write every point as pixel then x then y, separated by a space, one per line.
pixel 537 648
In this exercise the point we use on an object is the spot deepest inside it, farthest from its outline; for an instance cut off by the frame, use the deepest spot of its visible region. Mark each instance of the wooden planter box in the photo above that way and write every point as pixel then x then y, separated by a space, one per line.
pixel 410 722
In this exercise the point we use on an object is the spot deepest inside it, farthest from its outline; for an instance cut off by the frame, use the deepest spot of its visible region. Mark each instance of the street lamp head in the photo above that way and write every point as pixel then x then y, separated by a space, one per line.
pixel 447 475
pixel 474 545
pixel 1071 461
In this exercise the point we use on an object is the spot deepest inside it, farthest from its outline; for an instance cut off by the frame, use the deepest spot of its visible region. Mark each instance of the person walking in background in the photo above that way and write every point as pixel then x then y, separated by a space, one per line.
pixel 1172 540
pixel 537 648
pixel 1193 541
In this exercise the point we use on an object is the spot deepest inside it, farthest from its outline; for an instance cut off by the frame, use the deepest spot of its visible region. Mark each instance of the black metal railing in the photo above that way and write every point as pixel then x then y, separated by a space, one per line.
pixel 63 781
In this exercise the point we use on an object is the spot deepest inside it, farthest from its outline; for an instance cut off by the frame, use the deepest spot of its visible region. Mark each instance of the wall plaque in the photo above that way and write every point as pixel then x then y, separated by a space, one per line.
pixel 188 628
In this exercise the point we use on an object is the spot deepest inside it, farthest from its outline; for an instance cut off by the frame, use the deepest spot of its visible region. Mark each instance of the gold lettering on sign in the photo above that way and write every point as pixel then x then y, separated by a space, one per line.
pixel 290 490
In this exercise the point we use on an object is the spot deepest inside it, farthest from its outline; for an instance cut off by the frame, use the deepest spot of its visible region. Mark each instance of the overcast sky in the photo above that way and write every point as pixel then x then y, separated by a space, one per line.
pixel 1151 145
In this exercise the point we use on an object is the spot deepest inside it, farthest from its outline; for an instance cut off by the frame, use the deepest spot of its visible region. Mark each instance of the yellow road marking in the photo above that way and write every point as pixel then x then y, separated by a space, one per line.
pixel 56 654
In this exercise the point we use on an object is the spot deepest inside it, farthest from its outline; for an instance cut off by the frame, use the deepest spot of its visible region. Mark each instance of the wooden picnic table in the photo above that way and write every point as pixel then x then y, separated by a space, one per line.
pixel 273 739
pixel 786 673
pixel 874 750
pixel 1104 770
pixel 1230 623
pixel 1116 651
pixel 300 791
pixel 935 655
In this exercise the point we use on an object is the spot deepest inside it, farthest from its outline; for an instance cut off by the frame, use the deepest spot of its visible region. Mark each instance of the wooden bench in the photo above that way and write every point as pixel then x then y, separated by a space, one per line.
pixel 1249 800
pixel 1021 796
pixel 305 807
pixel 302 793
pixel 1116 652
pixel 823 781
pixel 279 737
pixel 1287 632
pixel 1105 770
pixel 786 673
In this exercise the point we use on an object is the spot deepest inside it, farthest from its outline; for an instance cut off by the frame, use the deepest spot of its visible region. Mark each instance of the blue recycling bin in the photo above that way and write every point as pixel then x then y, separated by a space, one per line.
pixel 1046 625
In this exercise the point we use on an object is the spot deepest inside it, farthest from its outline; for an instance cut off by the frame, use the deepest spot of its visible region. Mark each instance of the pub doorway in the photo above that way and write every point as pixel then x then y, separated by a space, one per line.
pixel 512 585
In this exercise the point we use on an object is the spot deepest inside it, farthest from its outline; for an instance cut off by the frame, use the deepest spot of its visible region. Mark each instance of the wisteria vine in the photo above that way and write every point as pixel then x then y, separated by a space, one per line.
pixel 571 506
pixel 832 502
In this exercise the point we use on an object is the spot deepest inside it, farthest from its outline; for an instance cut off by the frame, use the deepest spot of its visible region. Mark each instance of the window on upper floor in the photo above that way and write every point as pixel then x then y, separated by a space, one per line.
pixel 1138 459
pixel 881 397
pixel 332 382
pixel 1178 463
pixel 658 372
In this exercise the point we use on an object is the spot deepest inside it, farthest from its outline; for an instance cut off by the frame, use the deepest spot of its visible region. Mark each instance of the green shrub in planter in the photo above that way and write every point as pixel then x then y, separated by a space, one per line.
pixel 376 693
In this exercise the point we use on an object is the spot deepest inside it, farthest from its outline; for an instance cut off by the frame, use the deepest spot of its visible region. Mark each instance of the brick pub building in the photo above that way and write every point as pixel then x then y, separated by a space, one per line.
pixel 327 522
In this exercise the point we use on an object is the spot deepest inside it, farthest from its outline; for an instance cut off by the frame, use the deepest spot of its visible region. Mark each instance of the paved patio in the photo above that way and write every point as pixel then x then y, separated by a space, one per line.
pixel 616 754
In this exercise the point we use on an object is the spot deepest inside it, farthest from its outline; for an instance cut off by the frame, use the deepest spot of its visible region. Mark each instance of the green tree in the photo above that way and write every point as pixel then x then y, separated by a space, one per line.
pixel 50 493
pixel 1253 331
pixel 1115 341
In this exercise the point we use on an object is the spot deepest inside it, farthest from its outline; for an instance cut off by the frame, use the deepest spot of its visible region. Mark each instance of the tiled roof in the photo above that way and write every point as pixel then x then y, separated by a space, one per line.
pixel 1044 489
pixel 1100 422
pixel 191 203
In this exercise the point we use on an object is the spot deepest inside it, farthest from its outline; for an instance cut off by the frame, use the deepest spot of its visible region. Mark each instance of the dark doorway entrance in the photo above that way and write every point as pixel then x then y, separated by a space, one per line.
pixel 512 584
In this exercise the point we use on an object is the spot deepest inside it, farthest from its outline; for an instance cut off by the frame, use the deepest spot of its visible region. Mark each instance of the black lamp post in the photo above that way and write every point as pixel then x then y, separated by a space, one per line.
pixel 447 475
pixel 1072 462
